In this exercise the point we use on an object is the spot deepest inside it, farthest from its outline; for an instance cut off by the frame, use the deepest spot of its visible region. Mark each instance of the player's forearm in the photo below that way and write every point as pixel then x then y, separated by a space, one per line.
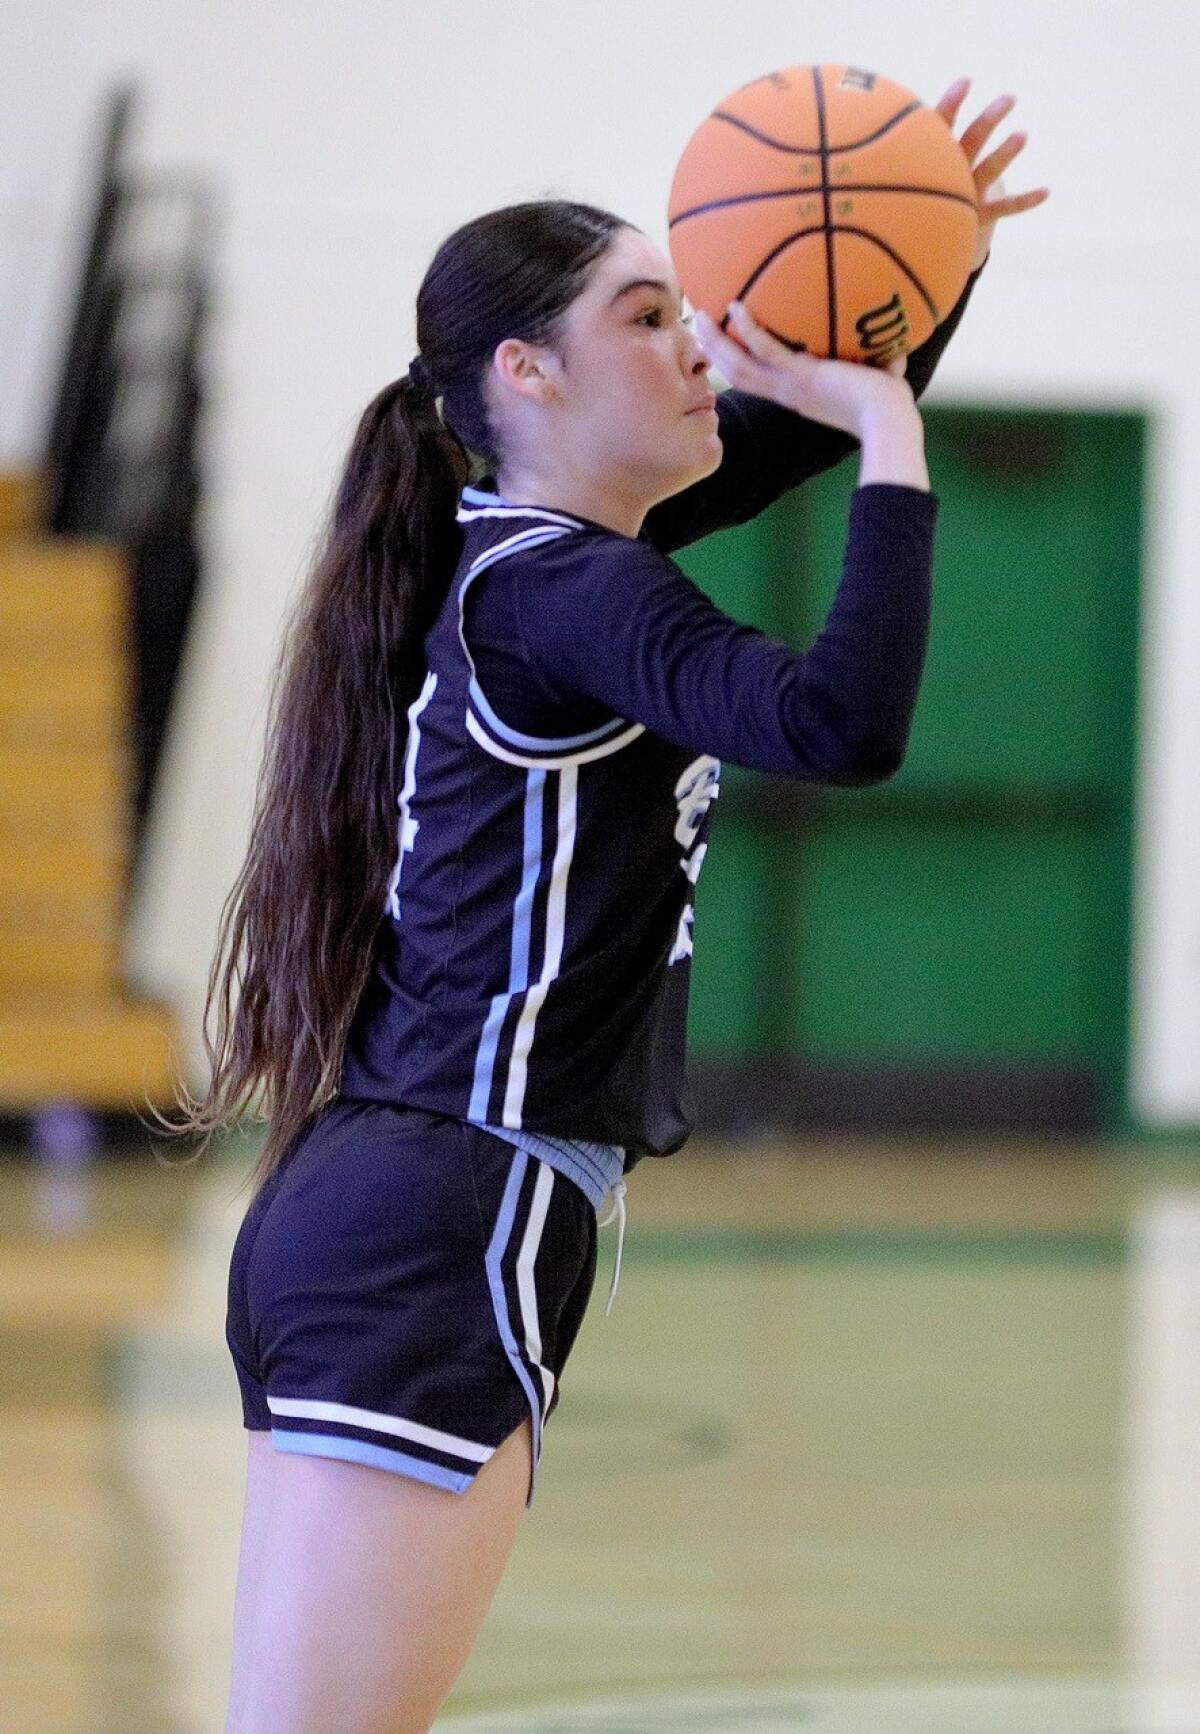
pixel 892 440
pixel 863 673
pixel 923 360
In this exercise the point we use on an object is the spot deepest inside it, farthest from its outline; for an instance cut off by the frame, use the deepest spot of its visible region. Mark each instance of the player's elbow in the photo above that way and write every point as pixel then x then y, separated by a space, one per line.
pixel 868 761
pixel 851 741
pixel 882 765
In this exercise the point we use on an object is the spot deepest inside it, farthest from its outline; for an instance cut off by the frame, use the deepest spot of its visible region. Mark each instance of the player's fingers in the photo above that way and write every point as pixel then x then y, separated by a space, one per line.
pixel 762 344
pixel 763 347
pixel 984 125
pixel 949 104
pixel 718 348
pixel 1009 207
pixel 766 358
pixel 993 166
pixel 732 361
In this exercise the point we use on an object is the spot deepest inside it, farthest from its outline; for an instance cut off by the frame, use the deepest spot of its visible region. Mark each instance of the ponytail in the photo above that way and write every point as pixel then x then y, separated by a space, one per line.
pixel 297 929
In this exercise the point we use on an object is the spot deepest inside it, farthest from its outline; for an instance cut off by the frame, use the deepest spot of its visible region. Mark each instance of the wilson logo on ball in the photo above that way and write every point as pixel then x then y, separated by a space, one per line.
pixel 883 331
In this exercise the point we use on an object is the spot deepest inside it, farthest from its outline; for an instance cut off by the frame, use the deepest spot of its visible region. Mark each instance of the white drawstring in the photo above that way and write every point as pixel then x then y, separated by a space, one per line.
pixel 617 1193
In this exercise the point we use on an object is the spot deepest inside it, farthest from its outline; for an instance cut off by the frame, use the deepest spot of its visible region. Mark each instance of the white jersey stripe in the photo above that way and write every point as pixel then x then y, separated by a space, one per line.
pixel 556 762
pixel 556 915
pixel 495 506
pixel 518 970
pixel 407 828
pixel 513 545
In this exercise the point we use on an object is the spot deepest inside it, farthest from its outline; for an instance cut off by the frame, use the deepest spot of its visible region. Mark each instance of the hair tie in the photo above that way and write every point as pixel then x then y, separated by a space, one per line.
pixel 420 376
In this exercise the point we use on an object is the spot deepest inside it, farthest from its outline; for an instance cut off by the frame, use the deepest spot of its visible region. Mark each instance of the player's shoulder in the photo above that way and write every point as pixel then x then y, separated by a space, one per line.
pixel 495 529
pixel 482 507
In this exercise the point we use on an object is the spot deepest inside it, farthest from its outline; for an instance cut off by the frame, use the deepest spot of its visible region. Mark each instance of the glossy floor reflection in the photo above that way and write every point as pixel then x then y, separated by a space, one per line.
pixel 878 1438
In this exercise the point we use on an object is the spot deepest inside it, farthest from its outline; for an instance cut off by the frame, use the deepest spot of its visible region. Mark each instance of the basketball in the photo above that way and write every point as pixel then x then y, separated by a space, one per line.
pixel 831 201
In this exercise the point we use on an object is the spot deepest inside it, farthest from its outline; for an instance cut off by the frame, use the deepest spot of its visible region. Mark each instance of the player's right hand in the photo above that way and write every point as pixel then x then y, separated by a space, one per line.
pixel 841 394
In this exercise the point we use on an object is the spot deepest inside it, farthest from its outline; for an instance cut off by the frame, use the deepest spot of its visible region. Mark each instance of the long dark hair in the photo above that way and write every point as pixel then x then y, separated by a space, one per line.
pixel 297 929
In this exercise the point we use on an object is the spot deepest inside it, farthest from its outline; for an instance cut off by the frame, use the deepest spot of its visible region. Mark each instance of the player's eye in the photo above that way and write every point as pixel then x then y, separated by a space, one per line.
pixel 655 313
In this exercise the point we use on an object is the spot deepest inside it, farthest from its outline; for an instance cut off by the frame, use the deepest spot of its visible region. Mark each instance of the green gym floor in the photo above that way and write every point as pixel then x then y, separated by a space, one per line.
pixel 878 1439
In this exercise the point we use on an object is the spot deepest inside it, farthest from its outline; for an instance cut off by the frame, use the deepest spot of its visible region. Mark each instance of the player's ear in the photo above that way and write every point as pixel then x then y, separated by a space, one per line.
pixel 526 369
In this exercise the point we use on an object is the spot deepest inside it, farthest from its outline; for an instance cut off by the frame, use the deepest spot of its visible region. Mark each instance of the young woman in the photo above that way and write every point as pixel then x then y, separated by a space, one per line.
pixel 463 930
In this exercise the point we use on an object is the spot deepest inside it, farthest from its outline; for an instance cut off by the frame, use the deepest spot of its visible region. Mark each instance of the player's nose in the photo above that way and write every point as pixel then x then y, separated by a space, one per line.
pixel 695 359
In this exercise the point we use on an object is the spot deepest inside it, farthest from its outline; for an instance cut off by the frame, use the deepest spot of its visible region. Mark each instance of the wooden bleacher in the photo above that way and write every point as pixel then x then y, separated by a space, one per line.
pixel 69 1029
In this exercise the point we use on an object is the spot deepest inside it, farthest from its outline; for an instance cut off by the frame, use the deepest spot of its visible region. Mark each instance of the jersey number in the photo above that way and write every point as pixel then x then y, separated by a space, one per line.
pixel 695 793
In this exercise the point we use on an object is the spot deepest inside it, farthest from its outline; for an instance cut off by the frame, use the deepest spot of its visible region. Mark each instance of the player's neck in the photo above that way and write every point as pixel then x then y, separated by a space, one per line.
pixel 576 495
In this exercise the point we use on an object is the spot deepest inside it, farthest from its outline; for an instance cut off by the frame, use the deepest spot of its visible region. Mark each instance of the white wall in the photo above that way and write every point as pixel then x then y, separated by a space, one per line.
pixel 351 137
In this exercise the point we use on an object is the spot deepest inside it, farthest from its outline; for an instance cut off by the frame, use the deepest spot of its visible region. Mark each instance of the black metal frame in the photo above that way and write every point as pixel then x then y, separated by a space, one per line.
pixel 144 496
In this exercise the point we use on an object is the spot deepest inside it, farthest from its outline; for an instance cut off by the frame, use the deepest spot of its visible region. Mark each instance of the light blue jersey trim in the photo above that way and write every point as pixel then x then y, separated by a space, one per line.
pixel 525 539
pixel 518 972
pixel 358 1451
pixel 595 1168
pixel 516 739
pixel 502 508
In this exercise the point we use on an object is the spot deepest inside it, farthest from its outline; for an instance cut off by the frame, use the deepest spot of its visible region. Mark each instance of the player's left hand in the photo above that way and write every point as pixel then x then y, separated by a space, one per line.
pixel 988 170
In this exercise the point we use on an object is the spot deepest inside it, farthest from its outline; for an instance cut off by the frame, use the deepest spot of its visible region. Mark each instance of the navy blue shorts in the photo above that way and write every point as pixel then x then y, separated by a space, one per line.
pixel 404 1289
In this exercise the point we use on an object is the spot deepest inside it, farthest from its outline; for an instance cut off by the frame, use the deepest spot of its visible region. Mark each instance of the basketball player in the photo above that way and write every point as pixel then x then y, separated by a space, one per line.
pixel 463 930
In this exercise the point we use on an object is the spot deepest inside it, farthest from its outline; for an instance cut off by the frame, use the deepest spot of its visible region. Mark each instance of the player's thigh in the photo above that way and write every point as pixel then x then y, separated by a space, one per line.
pixel 261 1458
pixel 372 1589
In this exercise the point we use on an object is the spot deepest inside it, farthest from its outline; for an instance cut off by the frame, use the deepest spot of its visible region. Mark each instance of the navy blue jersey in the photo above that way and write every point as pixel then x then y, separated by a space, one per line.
pixel 562 760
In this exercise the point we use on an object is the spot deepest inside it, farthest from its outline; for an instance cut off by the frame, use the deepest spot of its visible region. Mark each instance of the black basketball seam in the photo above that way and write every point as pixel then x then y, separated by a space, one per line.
pixel 830 274
pixel 800 235
pixel 888 187
pixel 792 192
pixel 815 150
pixel 866 235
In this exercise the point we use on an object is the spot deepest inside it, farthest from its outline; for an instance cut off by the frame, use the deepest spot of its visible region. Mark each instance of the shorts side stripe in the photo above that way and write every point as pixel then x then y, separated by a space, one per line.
pixel 525 1284
pixel 358 1451
pixel 318 1409
pixel 501 1235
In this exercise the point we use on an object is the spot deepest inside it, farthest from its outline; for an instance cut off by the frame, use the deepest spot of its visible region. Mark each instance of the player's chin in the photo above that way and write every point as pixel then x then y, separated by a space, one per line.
pixel 701 425
pixel 705 442
pixel 693 454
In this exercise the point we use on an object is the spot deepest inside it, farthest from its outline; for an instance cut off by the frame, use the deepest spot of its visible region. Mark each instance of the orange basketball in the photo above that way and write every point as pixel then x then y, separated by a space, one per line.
pixel 834 204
